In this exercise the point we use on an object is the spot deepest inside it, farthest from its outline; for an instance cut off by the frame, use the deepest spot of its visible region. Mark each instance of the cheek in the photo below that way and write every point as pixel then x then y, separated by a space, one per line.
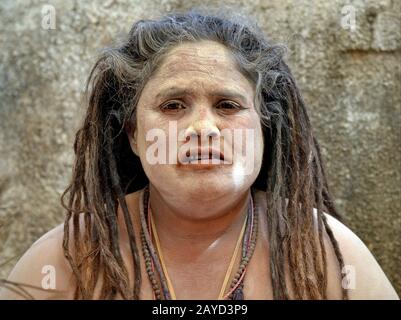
pixel 152 133
pixel 250 127
pixel 147 123
pixel 248 148
pixel 256 126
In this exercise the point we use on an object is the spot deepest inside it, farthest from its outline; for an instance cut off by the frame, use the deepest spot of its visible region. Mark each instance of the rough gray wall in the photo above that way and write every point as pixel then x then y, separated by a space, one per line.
pixel 350 80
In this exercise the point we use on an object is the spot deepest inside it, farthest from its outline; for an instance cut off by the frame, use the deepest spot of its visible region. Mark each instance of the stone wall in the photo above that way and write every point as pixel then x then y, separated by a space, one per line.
pixel 348 70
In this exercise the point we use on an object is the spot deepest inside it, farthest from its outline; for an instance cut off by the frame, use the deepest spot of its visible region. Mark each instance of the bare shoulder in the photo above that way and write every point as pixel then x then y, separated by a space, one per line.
pixel 43 272
pixel 362 275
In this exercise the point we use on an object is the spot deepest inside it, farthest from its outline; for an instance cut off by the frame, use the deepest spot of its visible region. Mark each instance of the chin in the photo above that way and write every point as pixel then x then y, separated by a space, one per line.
pixel 211 187
pixel 205 184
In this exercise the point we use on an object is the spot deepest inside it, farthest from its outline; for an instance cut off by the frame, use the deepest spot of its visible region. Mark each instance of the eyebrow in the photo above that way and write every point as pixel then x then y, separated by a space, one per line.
pixel 176 91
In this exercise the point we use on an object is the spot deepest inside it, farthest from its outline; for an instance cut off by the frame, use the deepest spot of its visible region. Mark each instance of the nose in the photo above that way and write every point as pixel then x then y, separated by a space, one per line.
pixel 202 124
pixel 205 129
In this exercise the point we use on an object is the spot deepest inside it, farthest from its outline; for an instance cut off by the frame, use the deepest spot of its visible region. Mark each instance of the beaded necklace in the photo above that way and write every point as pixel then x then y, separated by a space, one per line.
pixel 157 272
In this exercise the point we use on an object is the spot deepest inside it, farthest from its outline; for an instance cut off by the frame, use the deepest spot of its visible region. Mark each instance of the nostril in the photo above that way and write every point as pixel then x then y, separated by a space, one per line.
pixel 191 137
pixel 190 133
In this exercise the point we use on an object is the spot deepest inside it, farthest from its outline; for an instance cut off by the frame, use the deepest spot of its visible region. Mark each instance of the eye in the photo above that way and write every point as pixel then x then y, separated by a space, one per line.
pixel 229 107
pixel 172 107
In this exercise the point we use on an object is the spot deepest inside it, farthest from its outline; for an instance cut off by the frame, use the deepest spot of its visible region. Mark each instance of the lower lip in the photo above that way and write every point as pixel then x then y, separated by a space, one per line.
pixel 199 165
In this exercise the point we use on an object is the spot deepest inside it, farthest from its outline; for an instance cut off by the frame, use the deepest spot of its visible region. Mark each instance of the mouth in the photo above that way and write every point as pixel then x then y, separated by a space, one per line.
pixel 201 157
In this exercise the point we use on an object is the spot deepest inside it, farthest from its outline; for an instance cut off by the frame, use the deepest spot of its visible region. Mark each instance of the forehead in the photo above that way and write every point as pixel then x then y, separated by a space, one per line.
pixel 205 63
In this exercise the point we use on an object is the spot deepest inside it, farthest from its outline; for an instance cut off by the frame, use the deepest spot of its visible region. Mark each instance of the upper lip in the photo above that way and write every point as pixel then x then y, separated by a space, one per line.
pixel 212 153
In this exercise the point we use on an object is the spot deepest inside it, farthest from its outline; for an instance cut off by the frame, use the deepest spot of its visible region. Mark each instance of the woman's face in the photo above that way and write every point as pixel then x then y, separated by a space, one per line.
pixel 198 133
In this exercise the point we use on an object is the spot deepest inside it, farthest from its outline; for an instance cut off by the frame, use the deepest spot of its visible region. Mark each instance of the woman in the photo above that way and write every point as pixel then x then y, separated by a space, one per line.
pixel 164 204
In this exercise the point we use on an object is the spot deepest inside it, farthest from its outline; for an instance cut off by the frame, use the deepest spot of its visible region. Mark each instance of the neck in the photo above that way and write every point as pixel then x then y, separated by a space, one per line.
pixel 180 228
